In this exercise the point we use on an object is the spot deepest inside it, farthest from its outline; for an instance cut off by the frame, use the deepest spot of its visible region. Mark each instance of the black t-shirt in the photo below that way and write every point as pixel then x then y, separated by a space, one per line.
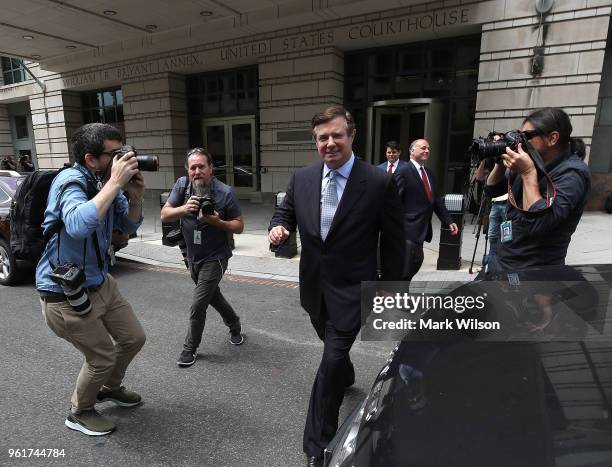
pixel 214 242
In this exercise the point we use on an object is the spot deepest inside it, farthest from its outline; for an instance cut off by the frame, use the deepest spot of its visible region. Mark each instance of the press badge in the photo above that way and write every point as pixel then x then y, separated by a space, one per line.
pixel 513 279
pixel 197 237
pixel 506 231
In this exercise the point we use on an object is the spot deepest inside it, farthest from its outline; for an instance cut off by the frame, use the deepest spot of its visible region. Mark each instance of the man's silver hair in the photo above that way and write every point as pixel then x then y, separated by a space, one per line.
pixel 413 144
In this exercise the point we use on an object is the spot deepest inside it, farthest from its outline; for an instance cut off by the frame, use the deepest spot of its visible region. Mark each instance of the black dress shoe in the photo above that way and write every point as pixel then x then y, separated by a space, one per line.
pixel 314 461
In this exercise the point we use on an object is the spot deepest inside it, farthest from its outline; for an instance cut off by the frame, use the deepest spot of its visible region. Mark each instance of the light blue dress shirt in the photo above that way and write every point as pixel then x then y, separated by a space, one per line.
pixel 80 217
pixel 342 175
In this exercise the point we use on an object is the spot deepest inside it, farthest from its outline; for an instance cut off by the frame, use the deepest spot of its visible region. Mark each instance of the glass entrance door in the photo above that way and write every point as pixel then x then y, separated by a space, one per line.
pixel 403 125
pixel 231 141
pixel 405 120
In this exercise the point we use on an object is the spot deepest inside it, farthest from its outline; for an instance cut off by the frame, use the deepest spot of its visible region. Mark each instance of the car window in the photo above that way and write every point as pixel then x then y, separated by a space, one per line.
pixel 13 182
pixel 4 197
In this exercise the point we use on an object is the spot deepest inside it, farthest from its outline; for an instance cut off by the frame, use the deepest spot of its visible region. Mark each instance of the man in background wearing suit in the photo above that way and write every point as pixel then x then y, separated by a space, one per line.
pixel 393 153
pixel 340 206
pixel 420 202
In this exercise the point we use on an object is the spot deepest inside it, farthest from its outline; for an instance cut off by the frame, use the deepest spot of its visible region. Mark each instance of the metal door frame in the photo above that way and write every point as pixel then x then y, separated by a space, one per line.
pixel 402 112
pixel 371 124
pixel 227 123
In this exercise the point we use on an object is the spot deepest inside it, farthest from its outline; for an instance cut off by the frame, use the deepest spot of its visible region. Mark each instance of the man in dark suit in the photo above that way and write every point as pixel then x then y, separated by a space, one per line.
pixel 420 202
pixel 340 206
pixel 393 152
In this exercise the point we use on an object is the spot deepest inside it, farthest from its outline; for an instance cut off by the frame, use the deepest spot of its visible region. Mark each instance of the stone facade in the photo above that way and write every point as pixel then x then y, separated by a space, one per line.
pixel 6 142
pixel 156 123
pixel 301 69
pixel 55 116
pixel 573 45
pixel 292 88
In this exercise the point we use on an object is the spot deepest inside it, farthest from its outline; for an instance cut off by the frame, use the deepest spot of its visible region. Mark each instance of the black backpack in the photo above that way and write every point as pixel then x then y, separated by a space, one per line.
pixel 28 213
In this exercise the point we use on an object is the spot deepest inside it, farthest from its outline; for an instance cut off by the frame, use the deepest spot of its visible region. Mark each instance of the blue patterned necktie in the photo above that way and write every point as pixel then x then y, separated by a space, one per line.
pixel 329 205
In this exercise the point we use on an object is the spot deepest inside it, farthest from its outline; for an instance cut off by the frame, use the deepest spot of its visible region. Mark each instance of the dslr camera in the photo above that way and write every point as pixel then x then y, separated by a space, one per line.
pixel 487 148
pixel 70 278
pixel 207 205
pixel 146 163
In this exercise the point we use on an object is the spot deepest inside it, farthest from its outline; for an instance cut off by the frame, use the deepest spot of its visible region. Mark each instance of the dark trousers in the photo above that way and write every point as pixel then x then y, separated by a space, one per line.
pixel 335 372
pixel 207 277
pixel 413 260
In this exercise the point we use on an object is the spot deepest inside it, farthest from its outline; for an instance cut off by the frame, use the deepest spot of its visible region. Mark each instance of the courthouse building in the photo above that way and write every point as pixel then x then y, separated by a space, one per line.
pixel 243 78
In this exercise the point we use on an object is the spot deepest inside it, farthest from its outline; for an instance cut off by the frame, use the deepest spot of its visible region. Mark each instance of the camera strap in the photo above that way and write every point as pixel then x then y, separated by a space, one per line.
pixel 91 191
pixel 551 190
pixel 96 247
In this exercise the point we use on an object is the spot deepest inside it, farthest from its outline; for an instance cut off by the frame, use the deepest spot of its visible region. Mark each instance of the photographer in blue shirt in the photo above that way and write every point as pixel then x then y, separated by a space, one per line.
pixel 80 300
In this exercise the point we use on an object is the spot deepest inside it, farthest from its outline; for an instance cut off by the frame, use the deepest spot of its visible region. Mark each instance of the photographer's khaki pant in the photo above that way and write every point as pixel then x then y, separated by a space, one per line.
pixel 109 337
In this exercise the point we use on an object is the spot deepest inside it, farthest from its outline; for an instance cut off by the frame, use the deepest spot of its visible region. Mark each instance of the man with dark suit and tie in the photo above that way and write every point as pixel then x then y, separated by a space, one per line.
pixel 340 205
pixel 420 202
pixel 393 152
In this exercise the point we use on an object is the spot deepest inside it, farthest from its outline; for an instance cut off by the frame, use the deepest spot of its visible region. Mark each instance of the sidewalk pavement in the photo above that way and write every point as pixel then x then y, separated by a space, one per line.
pixel 590 245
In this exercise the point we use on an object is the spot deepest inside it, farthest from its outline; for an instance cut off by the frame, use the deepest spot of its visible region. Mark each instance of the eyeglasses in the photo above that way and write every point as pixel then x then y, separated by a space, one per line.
pixel 112 153
pixel 532 133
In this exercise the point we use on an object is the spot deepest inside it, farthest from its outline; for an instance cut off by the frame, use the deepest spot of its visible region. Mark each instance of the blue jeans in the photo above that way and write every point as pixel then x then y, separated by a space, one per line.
pixel 497 215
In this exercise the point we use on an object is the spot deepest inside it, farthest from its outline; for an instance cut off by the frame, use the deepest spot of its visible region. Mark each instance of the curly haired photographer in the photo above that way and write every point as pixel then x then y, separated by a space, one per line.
pixel 209 212
pixel 81 302
pixel 544 206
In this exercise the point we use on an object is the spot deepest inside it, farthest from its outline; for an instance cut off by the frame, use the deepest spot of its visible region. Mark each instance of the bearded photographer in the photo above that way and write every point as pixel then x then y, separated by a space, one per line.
pixel 544 206
pixel 209 212
pixel 80 300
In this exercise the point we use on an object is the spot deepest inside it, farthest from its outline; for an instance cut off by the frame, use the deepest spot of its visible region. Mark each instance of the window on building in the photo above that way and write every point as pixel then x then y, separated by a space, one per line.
pixel 21 126
pixel 104 106
pixel 220 94
pixel 226 93
pixel 12 71
pixel 444 69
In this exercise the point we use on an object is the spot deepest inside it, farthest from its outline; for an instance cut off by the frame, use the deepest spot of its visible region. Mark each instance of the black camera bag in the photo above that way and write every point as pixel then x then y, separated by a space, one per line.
pixel 174 237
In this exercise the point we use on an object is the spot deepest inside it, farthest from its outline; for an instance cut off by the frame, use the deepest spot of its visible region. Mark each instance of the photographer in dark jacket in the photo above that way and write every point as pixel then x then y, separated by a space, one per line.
pixel 25 164
pixel 538 229
pixel 207 239
pixel 7 163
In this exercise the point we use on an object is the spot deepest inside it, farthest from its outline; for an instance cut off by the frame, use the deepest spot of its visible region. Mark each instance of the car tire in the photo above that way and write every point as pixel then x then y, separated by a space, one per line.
pixel 8 265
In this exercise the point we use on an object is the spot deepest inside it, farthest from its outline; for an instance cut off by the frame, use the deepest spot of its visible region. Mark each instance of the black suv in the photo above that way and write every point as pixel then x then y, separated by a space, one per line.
pixel 537 394
pixel 9 181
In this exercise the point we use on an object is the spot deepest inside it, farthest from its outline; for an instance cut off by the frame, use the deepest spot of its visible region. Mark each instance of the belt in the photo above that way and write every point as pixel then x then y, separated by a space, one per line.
pixel 54 297
pixel 50 297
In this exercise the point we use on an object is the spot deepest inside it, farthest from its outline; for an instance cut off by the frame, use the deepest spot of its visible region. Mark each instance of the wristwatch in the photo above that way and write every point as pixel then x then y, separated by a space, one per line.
pixel 135 201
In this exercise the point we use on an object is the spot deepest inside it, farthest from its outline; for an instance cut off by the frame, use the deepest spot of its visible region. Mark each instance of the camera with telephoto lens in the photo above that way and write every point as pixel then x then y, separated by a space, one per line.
pixel 146 163
pixel 487 148
pixel 70 278
pixel 207 205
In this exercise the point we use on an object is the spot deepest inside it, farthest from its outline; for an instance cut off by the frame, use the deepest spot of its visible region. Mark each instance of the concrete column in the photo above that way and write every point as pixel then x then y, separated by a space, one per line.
pixel 6 140
pixel 155 114
pixel 292 88
pixel 573 43
pixel 600 161
pixel 55 116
